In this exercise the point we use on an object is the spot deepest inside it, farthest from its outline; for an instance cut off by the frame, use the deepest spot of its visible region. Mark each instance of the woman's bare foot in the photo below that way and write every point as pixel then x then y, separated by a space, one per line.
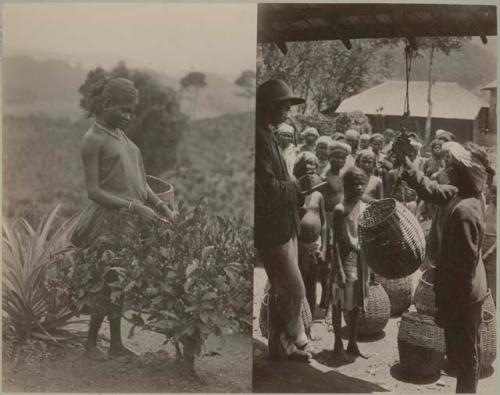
pixel 354 350
pixel 93 353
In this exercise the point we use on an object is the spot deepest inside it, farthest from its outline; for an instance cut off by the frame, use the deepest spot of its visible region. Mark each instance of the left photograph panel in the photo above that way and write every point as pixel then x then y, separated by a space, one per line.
pixel 128 182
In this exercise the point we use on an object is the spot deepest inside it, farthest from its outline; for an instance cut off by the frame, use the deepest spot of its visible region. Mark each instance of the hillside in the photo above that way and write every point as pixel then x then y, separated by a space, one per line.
pixel 42 166
pixel 50 87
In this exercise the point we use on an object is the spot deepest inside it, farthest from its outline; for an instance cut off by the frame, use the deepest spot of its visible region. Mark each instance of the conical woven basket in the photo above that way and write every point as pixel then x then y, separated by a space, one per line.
pixel 163 189
pixel 263 314
pixel 421 344
pixel 399 292
pixel 391 239
pixel 424 297
pixel 377 312
pixel 488 330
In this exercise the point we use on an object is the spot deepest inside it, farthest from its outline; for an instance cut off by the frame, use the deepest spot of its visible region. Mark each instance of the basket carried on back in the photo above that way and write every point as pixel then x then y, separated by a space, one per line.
pixel 488 330
pixel 391 239
pixel 421 344
pixel 163 189
pixel 424 297
pixel 399 292
pixel 377 312
pixel 263 314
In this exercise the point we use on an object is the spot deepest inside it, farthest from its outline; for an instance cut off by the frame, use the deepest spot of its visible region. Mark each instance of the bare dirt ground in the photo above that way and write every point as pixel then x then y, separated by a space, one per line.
pixel 225 366
pixel 379 373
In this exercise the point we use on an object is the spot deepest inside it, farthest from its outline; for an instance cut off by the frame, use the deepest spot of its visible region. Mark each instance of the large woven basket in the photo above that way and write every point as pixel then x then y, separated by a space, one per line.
pixel 488 329
pixel 399 292
pixel 391 239
pixel 163 189
pixel 421 344
pixel 263 315
pixel 424 297
pixel 377 312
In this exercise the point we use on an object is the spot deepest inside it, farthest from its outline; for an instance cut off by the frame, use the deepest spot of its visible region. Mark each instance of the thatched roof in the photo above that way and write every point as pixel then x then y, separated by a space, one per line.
pixel 490 86
pixel 449 100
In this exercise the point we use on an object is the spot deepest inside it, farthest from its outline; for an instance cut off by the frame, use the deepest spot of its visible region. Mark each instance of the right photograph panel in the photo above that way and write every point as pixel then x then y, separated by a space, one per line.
pixel 375 198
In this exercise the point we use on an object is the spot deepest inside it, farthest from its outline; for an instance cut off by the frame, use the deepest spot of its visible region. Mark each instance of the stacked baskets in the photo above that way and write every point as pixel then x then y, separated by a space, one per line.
pixel 377 312
pixel 421 344
pixel 391 238
pixel 399 292
pixel 263 315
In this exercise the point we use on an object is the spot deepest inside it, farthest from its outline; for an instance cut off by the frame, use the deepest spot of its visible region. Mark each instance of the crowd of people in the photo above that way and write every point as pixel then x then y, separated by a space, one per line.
pixel 309 197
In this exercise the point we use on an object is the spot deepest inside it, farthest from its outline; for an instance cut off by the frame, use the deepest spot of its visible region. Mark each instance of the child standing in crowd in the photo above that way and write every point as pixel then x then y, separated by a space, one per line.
pixel 374 190
pixel 322 155
pixel 349 271
pixel 332 195
pixel 313 229
pixel 352 138
pixel 388 140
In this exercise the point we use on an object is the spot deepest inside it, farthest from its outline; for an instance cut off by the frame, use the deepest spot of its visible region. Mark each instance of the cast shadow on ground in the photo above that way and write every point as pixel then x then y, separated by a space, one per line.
pixel 399 374
pixel 295 377
pixel 363 338
pixel 452 372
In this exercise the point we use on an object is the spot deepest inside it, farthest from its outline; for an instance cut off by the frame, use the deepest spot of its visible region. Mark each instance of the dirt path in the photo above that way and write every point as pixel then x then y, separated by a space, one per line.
pixel 379 373
pixel 224 366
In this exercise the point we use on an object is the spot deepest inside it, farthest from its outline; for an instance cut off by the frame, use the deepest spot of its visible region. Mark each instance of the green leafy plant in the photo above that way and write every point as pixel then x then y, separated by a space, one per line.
pixel 186 280
pixel 35 305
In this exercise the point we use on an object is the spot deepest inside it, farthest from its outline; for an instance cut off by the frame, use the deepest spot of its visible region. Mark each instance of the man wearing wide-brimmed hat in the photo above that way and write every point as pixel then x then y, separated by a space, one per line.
pixel 277 199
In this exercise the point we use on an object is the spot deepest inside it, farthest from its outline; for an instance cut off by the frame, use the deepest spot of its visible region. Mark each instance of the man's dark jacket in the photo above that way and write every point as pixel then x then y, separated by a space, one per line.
pixel 276 196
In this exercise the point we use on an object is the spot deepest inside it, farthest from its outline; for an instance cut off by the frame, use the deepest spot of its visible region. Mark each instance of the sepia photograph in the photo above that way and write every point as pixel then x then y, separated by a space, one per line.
pixel 375 198
pixel 128 168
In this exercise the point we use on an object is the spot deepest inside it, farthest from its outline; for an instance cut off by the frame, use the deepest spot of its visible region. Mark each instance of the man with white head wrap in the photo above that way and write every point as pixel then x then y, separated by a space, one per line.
pixel 352 138
pixel 455 240
pixel 288 150
pixel 310 136
pixel 322 145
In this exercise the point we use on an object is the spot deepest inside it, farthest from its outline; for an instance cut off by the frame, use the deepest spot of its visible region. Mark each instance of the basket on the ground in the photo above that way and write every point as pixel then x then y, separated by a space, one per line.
pixel 424 297
pixel 263 322
pixel 377 312
pixel 399 292
pixel 391 238
pixel 421 344
pixel 488 329
pixel 163 190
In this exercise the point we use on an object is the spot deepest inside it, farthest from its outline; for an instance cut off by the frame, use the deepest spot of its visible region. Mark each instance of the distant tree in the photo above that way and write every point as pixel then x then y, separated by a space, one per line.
pixel 431 46
pixel 158 123
pixel 246 81
pixel 324 72
pixel 192 83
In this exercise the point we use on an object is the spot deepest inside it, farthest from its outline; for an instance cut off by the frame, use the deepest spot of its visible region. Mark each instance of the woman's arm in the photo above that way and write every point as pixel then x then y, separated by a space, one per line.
pixel 158 204
pixel 324 227
pixel 338 217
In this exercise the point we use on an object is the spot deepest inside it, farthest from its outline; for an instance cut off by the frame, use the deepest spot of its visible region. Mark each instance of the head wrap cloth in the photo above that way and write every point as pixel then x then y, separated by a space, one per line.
pixel 470 166
pixel 285 128
pixel 324 140
pixel 310 131
pixel 338 146
pixel 365 153
pixel 120 90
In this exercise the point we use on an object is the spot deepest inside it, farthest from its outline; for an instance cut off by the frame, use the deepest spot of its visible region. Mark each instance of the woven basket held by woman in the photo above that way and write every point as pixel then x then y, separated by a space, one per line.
pixel 421 345
pixel 424 297
pixel 399 292
pixel 488 330
pixel 263 314
pixel 391 238
pixel 377 312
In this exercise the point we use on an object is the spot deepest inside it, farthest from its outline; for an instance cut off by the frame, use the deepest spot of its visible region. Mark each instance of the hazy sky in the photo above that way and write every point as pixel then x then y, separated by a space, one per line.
pixel 168 37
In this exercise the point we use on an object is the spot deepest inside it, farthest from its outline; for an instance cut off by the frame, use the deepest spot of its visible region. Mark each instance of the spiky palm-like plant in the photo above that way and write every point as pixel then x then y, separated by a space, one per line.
pixel 30 305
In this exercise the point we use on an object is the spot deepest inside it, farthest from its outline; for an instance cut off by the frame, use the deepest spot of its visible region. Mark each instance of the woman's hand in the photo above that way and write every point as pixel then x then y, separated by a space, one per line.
pixel 144 212
pixel 167 213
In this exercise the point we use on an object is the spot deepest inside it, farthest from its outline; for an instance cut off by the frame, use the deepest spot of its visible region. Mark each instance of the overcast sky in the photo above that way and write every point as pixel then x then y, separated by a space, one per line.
pixel 168 37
